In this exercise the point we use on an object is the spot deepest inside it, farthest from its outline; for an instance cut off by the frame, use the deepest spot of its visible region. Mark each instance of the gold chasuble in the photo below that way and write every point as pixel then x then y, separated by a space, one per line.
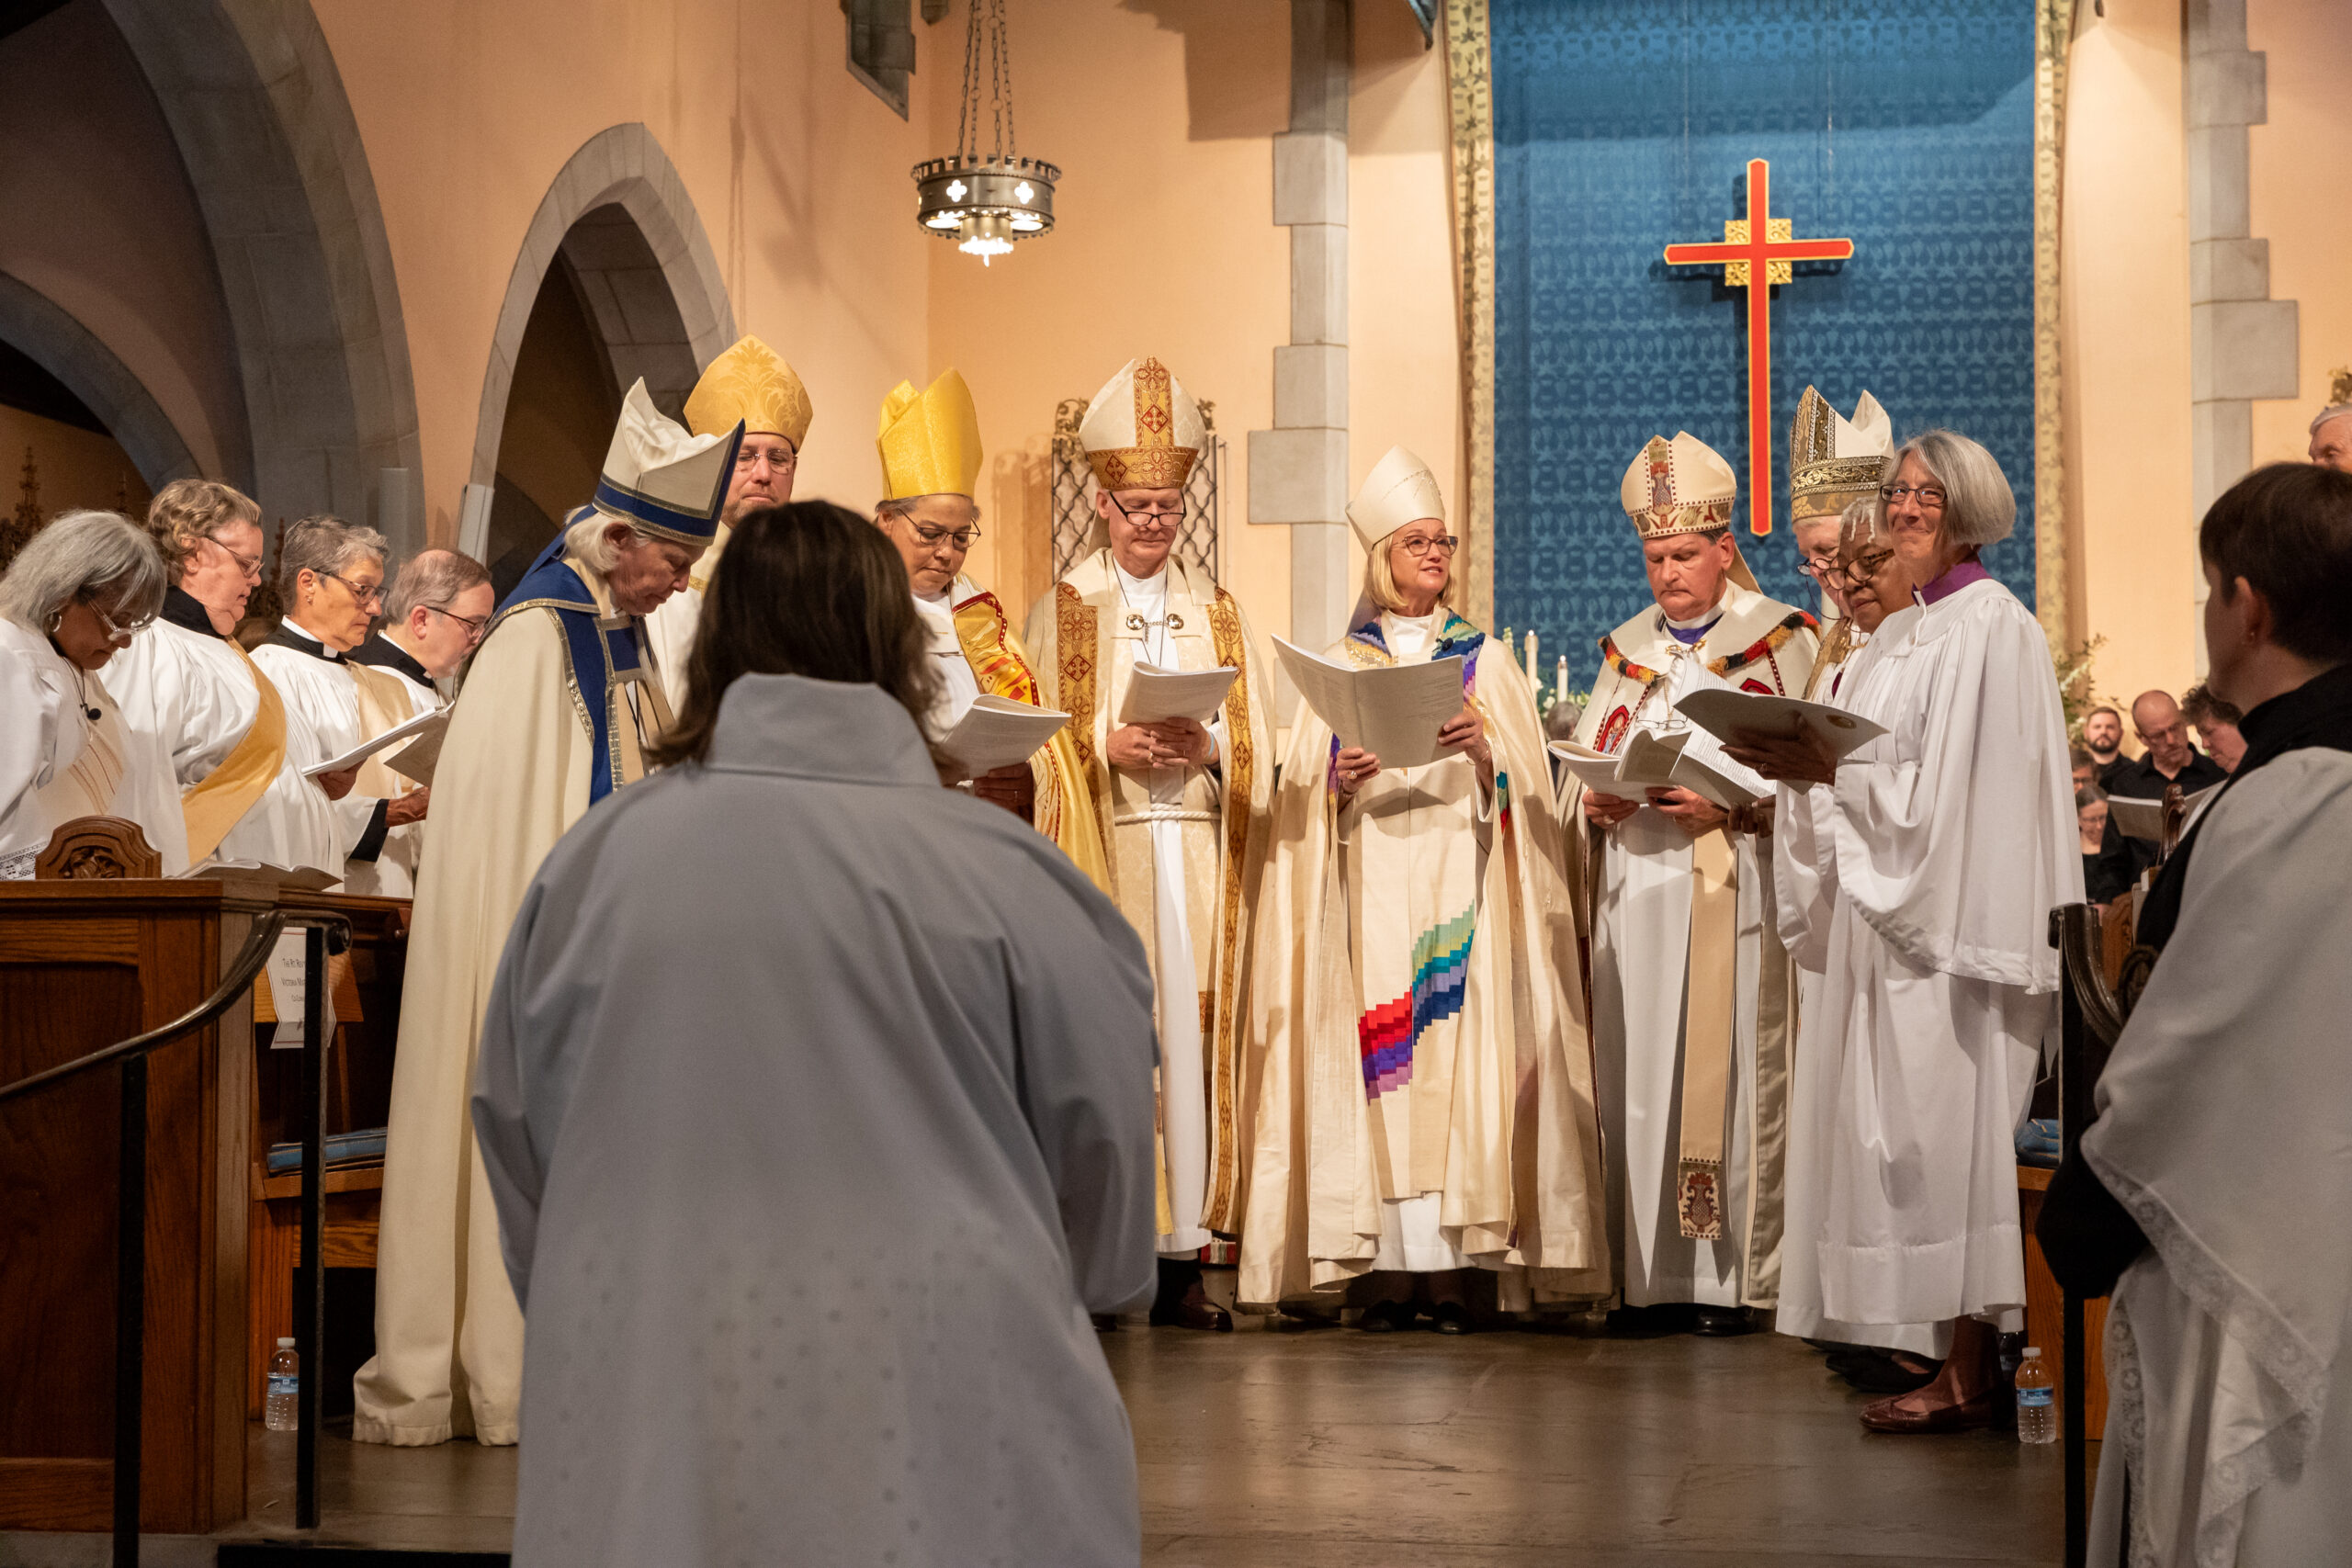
pixel 1086 641
pixel 1417 1030
pixel 1065 805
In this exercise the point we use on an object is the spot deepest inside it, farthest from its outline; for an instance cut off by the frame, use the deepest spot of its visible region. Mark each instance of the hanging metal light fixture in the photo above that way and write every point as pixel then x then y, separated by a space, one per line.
pixel 986 200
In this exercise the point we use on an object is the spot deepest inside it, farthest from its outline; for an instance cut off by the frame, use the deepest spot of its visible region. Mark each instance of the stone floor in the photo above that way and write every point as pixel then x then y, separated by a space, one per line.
pixel 1330 1447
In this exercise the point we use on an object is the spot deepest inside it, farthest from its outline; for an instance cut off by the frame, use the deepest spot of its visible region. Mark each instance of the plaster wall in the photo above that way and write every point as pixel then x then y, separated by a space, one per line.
pixel 2301 200
pixel 102 222
pixel 75 468
pixel 468 111
pixel 2130 545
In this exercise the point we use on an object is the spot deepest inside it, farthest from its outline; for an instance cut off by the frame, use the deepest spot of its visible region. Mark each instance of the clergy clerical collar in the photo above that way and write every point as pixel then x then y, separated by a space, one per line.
pixel 1690 633
pixel 184 611
pixel 1960 575
pixel 382 652
pixel 285 633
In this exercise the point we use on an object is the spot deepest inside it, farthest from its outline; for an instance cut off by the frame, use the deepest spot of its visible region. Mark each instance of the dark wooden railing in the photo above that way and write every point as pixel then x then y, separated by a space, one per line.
pixel 130 1058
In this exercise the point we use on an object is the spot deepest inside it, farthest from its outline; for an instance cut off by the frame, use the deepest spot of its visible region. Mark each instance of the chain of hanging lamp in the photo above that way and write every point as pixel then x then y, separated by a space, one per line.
pixel 986 200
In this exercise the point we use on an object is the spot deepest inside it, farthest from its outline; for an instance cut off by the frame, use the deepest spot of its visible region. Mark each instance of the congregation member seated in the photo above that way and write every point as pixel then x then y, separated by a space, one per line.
pixel 2103 738
pixel 2205 1197
pixel 1954 838
pixel 73 597
pixel 808 1279
pixel 2216 724
pixel 2086 771
pixel 2101 884
pixel 1406 1016
pixel 2167 758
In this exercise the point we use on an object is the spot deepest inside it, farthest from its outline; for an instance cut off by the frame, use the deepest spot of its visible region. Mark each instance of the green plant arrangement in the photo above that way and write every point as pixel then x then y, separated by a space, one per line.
pixel 2076 692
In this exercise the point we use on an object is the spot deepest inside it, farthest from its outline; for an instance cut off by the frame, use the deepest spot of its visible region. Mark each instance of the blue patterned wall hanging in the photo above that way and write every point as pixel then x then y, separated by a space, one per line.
pixel 1621 127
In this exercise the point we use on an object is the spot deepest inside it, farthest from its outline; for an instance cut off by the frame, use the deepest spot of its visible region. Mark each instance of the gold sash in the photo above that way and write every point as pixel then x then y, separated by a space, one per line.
pixel 385 703
pixel 220 801
pixel 1708 991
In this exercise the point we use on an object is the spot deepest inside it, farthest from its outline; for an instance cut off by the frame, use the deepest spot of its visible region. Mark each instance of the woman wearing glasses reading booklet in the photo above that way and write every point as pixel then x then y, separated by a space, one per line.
pixel 1425 1091
pixel 1183 802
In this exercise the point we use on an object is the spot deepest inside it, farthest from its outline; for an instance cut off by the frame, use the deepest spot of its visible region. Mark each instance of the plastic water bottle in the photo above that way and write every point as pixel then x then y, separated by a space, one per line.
pixel 280 1410
pixel 2037 1399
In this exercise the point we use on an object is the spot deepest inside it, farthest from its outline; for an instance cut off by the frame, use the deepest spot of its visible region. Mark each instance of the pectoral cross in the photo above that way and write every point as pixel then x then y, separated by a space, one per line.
pixel 1755 255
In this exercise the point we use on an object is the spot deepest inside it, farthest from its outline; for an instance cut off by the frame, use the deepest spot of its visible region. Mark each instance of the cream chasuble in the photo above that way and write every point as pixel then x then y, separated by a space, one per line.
pixel 513 774
pixel 1689 985
pixel 1421 1071
pixel 1186 845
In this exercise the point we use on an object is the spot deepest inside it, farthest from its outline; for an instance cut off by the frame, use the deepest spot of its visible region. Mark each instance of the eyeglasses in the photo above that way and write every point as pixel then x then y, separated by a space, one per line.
pixel 751 457
pixel 1930 497
pixel 361 596
pixel 249 565
pixel 474 624
pixel 1418 547
pixel 1861 569
pixel 116 633
pixel 1152 518
pixel 1819 567
pixel 932 538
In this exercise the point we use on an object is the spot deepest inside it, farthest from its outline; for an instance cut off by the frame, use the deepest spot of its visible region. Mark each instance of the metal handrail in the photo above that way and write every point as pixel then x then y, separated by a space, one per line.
pixel 130 1205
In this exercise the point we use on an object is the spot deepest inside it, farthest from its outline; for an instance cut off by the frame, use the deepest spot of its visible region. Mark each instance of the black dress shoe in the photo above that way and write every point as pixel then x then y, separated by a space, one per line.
pixel 1385 1317
pixel 1721 1323
pixel 1189 1313
pixel 1450 1317
pixel 1648 1322
pixel 1877 1372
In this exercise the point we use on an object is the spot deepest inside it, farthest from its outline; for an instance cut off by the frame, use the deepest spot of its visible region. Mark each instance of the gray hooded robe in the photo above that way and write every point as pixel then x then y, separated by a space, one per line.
pixel 817 1104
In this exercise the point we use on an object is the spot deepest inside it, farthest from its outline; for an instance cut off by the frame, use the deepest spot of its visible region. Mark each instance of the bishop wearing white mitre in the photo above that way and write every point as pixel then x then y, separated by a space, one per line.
pixel 1417 1022
pixel 751 384
pixel 1690 985
pixel 201 708
pixel 1185 801
pixel 557 708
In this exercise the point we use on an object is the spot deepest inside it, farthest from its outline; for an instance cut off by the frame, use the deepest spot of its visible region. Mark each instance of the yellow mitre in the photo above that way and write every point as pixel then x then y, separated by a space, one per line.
pixel 750 384
pixel 1835 461
pixel 1143 430
pixel 1399 489
pixel 931 442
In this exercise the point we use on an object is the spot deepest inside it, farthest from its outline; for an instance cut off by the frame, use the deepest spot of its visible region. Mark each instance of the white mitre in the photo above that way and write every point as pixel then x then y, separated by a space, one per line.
pixel 1143 431
pixel 662 477
pixel 1399 489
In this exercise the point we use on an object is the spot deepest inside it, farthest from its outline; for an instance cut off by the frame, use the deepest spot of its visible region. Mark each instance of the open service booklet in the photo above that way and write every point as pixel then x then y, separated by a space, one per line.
pixel 2136 819
pixel 1727 715
pixel 309 878
pixel 423 724
pixel 996 732
pixel 1155 692
pixel 1393 711
pixel 1675 759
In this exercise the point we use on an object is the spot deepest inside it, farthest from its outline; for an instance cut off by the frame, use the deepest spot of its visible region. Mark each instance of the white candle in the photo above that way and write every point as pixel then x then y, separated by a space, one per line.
pixel 1560 680
pixel 1533 664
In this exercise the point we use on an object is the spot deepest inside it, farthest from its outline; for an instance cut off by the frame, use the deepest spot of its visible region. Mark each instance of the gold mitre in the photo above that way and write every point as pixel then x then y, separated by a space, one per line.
pixel 1399 489
pixel 1835 461
pixel 1681 486
pixel 751 384
pixel 1143 430
pixel 929 442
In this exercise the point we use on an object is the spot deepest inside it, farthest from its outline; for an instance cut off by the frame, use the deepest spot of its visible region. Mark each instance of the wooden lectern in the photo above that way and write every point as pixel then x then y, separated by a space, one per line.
pixel 85 964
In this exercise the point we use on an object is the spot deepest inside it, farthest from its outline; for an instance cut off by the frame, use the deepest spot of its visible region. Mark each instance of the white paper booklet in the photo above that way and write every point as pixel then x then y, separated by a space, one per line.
pixel 419 756
pixel 1155 692
pixel 996 732
pixel 2145 819
pixel 1656 759
pixel 1725 714
pixel 422 724
pixel 309 878
pixel 1394 711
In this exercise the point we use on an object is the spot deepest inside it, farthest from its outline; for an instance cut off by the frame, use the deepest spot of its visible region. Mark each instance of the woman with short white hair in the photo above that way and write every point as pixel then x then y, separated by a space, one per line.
pixel 75 594
pixel 1953 837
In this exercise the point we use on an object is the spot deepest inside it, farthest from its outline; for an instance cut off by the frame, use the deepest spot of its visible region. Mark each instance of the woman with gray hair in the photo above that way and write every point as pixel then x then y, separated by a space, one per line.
pixel 1953 835
pixel 78 592
pixel 330 581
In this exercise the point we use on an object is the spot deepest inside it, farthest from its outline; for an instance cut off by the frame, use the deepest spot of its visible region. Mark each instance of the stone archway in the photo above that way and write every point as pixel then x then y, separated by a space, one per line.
pixel 618 215
pixel 71 352
pixel 251 93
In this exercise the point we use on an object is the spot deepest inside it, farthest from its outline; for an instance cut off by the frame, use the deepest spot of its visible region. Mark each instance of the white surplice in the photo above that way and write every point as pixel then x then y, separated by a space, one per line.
pixel 2224 1128
pixel 817 1104
pixel 320 685
pixel 958 687
pixel 40 736
pixel 191 696
pixel 1949 839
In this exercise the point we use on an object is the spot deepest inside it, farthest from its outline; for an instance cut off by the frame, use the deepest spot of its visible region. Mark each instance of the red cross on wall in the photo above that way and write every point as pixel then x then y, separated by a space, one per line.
pixel 1745 249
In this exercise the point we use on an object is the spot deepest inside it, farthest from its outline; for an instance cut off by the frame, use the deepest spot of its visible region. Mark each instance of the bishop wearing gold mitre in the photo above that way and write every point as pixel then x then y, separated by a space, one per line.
pixel 748 385
pixel 1185 795
pixel 1689 986
pixel 931 467
pixel 1424 1103
pixel 558 708
pixel 1834 463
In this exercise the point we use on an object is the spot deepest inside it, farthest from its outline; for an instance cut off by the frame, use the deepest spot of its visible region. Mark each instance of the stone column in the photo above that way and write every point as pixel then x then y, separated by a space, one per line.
pixel 1299 470
pixel 2242 343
